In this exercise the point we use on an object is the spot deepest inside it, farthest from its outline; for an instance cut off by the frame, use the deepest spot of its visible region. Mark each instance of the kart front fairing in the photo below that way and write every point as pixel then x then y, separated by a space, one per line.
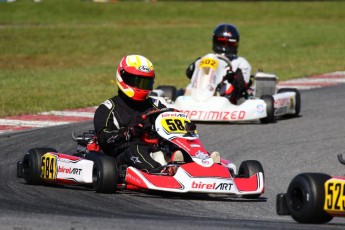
pixel 220 109
pixel 192 177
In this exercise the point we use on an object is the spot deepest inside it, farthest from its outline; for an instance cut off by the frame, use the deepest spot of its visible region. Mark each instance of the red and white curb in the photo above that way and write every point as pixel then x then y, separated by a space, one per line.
pixel 54 118
pixel 317 81
pixel 45 119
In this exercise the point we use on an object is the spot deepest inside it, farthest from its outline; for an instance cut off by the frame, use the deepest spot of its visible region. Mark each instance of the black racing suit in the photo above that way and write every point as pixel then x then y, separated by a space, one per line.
pixel 112 117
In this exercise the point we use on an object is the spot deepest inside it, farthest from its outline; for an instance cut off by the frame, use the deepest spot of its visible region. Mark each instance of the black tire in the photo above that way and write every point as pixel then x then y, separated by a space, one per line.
pixel 168 91
pixel 105 174
pixel 32 165
pixel 298 99
pixel 247 169
pixel 269 100
pixel 305 198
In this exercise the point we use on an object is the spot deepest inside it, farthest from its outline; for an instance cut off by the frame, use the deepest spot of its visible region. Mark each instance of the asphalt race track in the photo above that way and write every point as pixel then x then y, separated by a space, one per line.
pixel 309 143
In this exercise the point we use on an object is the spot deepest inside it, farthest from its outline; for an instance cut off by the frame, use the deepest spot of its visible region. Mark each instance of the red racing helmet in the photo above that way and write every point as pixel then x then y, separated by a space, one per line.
pixel 135 77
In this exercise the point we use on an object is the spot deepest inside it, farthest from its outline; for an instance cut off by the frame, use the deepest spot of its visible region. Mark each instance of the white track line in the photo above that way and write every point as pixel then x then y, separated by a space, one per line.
pixel 31 123
pixel 69 114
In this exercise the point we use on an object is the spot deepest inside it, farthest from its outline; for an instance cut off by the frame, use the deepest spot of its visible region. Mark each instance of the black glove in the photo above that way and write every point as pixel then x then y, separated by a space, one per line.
pixel 229 76
pixel 190 70
pixel 136 130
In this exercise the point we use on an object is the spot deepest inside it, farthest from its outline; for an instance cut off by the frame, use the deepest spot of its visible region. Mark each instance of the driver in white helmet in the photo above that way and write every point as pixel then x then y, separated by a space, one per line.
pixel 225 41
pixel 117 121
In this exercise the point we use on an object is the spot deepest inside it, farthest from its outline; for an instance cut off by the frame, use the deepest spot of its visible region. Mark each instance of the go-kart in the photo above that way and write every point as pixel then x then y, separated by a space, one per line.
pixel 172 131
pixel 204 103
pixel 314 197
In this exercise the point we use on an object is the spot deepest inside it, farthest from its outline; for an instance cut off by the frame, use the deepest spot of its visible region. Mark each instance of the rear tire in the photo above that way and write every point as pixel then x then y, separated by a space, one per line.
pixel 168 91
pixel 247 169
pixel 298 100
pixel 105 174
pixel 32 165
pixel 269 100
pixel 305 198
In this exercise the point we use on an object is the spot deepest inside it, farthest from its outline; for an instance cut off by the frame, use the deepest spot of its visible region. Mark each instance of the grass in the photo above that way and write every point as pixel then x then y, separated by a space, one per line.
pixel 63 54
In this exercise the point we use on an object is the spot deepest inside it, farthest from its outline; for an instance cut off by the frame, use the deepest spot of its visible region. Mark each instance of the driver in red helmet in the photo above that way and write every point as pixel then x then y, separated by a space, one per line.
pixel 117 120
pixel 226 39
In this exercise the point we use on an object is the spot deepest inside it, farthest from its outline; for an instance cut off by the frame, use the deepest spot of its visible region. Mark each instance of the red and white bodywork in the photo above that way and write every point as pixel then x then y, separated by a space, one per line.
pixel 198 173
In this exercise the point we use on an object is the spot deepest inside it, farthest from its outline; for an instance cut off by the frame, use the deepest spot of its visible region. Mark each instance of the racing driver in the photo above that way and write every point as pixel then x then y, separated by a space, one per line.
pixel 117 120
pixel 226 39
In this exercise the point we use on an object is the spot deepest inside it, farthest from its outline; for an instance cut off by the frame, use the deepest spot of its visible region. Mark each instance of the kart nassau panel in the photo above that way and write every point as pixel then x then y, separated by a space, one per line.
pixel 209 72
pixel 172 126
pixel 66 169
pixel 284 103
pixel 220 109
pixel 193 178
pixel 335 196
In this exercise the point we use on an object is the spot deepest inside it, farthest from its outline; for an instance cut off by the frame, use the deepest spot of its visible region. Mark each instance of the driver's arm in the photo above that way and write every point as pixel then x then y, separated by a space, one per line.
pixel 108 135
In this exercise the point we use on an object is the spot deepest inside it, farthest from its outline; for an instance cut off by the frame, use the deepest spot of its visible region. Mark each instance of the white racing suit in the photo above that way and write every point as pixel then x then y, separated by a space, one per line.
pixel 235 78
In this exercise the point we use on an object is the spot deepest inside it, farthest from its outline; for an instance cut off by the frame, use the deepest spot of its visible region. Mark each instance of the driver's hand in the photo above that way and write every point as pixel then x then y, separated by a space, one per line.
pixel 136 130
pixel 230 76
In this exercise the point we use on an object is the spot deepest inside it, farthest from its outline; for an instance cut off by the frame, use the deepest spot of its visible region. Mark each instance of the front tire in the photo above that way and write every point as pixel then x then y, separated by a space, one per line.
pixel 247 169
pixel 32 165
pixel 269 100
pixel 305 198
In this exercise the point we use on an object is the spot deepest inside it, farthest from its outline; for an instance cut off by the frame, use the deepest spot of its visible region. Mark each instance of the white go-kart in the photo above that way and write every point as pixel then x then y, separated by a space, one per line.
pixel 203 103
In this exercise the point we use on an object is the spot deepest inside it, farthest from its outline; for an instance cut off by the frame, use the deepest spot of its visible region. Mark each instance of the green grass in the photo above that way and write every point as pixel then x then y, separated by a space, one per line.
pixel 63 54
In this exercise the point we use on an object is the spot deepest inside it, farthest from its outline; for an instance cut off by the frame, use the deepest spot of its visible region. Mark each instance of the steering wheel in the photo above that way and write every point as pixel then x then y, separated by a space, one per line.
pixel 146 137
pixel 157 112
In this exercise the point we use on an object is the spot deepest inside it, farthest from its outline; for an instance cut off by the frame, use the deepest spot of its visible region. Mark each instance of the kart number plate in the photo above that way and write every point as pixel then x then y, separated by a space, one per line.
pixel 49 166
pixel 174 125
pixel 335 196
pixel 209 62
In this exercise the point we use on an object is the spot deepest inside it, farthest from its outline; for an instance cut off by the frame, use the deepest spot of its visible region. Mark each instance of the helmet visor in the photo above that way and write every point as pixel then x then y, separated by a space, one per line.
pixel 136 81
pixel 225 42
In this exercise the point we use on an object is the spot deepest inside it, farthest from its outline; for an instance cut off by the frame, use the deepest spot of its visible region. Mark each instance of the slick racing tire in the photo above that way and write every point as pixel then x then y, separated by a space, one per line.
pixel 247 169
pixel 305 198
pixel 104 174
pixel 269 100
pixel 168 91
pixel 32 165
pixel 298 100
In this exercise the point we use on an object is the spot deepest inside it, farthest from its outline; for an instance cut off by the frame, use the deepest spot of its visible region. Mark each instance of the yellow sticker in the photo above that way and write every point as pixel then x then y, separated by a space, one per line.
pixel 174 125
pixel 335 196
pixel 48 166
pixel 209 62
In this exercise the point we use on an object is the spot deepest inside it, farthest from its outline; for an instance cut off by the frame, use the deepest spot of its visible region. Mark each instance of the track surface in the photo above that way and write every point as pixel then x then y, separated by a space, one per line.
pixel 309 143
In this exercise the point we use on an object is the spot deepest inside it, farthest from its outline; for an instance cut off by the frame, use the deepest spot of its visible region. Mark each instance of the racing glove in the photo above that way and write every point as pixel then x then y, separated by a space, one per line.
pixel 229 76
pixel 190 70
pixel 135 130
